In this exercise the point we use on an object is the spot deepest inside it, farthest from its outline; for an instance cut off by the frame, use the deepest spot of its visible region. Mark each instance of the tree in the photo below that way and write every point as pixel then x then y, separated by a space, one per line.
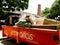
pixel 7 5
pixel 54 10
pixel 45 12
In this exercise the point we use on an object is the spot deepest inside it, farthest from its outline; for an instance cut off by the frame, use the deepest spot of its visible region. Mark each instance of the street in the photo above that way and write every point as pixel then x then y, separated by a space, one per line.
pixel 10 42
pixel 7 42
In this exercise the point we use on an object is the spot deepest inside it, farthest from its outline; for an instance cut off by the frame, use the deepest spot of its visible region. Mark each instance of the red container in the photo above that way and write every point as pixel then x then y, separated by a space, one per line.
pixel 32 36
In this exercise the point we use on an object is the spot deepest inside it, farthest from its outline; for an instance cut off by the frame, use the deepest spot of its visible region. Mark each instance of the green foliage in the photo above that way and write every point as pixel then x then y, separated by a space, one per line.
pixel 45 12
pixel 7 5
pixel 54 10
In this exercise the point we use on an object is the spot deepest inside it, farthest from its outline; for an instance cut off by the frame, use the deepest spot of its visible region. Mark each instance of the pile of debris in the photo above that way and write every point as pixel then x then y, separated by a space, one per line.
pixel 29 20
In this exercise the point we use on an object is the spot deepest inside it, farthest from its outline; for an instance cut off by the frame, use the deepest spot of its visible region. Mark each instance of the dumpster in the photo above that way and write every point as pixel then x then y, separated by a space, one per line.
pixel 31 35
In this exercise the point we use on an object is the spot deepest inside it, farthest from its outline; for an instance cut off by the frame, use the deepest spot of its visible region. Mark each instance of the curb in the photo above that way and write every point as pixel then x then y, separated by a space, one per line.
pixel 3 38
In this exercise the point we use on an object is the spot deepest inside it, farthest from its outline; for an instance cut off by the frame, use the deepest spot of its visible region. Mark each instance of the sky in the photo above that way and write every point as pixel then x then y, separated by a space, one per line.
pixel 34 3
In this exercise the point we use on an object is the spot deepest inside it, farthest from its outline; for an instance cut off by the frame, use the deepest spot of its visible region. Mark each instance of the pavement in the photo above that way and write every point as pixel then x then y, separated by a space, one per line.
pixel 0 33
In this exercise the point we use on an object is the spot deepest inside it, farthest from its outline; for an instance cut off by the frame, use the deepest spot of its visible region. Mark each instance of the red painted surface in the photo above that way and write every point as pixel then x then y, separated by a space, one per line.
pixel 33 36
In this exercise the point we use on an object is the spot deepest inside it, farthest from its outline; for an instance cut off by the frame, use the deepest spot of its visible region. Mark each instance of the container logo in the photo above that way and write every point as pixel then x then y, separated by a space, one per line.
pixel 26 35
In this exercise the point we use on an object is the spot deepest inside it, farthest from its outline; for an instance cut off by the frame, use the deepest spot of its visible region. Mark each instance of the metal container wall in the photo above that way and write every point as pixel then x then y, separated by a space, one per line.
pixel 33 36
